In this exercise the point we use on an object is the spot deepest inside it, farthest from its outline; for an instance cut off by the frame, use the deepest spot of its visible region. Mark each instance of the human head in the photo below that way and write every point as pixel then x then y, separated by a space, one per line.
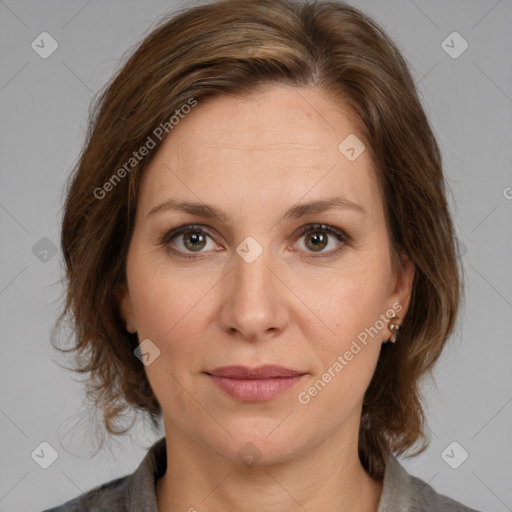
pixel 329 46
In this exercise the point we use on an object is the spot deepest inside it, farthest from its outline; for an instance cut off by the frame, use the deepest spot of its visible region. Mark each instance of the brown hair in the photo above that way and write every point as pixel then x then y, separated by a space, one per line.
pixel 229 47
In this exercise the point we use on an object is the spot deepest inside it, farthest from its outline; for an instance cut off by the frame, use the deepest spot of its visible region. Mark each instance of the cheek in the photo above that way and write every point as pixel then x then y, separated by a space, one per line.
pixel 173 309
pixel 346 358
pixel 347 355
pixel 353 308
pixel 170 310
pixel 164 300
pixel 351 302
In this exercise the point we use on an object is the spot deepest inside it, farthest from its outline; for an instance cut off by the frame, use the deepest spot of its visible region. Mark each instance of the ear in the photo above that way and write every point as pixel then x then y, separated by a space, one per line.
pixel 403 279
pixel 125 307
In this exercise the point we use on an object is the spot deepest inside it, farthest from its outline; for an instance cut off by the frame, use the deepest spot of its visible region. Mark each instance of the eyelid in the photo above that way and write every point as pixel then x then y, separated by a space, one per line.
pixel 174 232
pixel 323 227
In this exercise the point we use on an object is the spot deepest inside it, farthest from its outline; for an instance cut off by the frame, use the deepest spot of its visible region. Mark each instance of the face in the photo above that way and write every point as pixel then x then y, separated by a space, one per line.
pixel 265 282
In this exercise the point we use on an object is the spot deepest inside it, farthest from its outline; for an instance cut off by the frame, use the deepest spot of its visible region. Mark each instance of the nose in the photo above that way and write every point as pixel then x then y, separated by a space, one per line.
pixel 254 306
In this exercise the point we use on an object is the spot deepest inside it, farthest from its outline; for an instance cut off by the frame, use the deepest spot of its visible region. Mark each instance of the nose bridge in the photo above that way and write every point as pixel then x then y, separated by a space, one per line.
pixel 251 269
pixel 254 304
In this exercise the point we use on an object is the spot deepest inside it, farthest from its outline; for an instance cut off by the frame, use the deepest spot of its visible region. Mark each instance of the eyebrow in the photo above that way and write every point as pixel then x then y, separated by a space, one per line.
pixel 295 212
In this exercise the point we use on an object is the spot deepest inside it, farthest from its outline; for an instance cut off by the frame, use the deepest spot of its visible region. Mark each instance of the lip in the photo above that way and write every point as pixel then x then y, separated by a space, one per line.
pixel 261 372
pixel 255 384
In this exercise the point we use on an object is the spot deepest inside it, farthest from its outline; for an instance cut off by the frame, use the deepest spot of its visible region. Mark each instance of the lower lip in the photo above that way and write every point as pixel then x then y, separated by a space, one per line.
pixel 255 390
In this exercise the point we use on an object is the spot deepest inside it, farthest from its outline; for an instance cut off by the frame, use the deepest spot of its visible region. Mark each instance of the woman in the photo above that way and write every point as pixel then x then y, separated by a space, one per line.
pixel 259 251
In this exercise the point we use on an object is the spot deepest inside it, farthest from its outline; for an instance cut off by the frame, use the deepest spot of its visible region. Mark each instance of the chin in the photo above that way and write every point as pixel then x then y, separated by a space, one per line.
pixel 261 442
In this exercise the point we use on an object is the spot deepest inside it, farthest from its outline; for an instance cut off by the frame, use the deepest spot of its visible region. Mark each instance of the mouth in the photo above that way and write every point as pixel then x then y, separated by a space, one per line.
pixel 255 384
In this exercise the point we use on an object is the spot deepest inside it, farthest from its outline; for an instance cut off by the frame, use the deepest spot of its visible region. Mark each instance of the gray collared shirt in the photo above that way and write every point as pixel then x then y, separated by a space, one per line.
pixel 136 492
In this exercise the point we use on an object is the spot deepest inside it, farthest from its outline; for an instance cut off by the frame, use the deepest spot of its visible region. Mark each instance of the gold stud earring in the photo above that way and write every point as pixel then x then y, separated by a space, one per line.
pixel 394 327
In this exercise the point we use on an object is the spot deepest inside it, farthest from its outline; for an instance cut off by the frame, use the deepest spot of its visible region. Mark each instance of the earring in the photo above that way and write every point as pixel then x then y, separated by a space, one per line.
pixel 394 327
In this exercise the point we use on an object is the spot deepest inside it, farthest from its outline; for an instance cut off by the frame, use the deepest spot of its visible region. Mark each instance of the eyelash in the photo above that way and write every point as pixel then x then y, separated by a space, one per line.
pixel 309 228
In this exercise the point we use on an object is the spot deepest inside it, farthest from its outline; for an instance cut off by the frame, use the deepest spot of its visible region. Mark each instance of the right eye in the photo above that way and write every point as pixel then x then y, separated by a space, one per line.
pixel 192 238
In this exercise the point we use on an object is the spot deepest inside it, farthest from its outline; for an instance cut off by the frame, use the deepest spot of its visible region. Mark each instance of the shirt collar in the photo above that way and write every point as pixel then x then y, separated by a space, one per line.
pixel 142 490
pixel 396 491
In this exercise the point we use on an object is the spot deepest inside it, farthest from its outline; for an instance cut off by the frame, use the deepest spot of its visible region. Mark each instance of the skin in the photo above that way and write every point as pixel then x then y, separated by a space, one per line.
pixel 254 158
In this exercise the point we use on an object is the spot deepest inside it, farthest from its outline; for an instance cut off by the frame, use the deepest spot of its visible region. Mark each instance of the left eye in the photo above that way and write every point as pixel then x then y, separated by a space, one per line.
pixel 194 239
pixel 318 237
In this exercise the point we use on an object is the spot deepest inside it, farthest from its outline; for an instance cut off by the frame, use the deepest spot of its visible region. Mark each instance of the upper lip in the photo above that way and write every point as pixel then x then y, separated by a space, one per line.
pixel 261 372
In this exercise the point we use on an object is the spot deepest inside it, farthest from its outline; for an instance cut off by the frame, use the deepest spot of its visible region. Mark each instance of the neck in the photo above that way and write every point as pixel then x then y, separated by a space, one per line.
pixel 329 477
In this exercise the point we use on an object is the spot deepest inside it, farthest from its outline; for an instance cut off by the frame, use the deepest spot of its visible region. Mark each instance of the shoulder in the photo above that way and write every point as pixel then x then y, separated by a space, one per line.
pixel 110 496
pixel 407 493
pixel 425 498
pixel 131 493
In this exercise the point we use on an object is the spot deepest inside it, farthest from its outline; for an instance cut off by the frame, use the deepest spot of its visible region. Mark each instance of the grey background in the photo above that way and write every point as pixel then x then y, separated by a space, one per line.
pixel 44 105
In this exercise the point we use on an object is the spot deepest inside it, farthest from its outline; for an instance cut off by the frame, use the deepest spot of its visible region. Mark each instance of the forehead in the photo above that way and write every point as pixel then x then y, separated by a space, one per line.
pixel 279 143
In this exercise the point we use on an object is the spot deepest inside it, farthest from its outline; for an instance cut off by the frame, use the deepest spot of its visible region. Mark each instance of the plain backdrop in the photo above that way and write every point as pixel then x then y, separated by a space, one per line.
pixel 44 105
